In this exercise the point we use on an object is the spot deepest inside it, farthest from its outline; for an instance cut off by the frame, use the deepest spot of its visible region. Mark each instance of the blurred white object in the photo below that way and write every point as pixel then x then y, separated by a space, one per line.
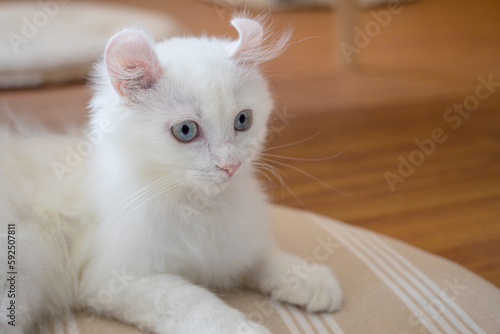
pixel 56 41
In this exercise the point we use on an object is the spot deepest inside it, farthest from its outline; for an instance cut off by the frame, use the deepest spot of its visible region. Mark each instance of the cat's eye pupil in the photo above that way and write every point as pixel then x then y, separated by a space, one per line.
pixel 243 120
pixel 185 129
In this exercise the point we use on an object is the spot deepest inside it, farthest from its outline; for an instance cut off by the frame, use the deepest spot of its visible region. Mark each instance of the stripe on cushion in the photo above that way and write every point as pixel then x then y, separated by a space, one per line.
pixel 383 262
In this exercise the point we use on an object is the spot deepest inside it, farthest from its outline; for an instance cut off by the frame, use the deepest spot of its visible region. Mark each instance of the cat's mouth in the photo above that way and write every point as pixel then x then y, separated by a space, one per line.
pixel 223 181
pixel 212 181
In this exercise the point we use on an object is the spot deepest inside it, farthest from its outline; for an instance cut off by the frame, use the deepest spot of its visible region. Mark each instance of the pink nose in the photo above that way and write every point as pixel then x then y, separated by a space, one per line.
pixel 230 169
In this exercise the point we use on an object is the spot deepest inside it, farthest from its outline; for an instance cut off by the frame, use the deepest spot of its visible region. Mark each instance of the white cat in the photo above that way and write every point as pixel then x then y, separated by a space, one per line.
pixel 165 206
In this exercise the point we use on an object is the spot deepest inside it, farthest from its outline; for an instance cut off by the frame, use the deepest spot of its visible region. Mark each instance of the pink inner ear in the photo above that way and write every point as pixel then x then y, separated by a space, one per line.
pixel 131 62
pixel 249 43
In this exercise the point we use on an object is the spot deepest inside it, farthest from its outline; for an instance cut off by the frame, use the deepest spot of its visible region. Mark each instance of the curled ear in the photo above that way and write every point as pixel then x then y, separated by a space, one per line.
pixel 252 45
pixel 131 62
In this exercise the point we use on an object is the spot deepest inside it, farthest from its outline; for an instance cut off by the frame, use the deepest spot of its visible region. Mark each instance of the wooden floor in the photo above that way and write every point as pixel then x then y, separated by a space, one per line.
pixel 428 58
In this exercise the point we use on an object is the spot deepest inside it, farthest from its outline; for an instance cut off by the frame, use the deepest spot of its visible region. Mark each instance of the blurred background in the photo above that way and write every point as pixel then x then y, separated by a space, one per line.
pixel 404 141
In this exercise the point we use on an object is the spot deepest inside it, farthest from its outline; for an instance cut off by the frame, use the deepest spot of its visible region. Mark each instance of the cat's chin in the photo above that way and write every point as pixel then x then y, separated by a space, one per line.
pixel 221 185
pixel 217 186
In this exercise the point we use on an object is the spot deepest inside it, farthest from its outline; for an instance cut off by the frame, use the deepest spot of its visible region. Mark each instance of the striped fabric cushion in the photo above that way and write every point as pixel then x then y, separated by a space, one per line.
pixel 389 287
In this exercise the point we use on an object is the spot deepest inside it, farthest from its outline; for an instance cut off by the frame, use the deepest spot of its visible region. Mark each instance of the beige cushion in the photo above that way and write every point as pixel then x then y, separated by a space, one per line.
pixel 57 41
pixel 389 287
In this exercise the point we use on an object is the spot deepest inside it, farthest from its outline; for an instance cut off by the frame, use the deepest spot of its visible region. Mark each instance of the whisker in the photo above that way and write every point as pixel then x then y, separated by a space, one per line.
pixel 142 194
pixel 264 169
pixel 276 173
pixel 307 38
pixel 293 143
pixel 126 199
pixel 157 194
pixel 147 194
pixel 307 159
pixel 264 174
pixel 310 176
pixel 270 76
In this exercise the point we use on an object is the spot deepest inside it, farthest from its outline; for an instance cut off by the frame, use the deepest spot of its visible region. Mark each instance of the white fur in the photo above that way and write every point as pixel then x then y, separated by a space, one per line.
pixel 145 223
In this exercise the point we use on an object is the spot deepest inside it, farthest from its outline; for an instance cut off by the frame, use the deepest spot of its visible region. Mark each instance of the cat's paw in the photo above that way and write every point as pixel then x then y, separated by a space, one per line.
pixel 290 279
pixel 316 291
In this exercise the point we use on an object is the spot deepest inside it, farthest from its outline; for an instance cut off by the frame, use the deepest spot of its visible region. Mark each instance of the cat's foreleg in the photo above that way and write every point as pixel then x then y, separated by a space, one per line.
pixel 290 279
pixel 169 304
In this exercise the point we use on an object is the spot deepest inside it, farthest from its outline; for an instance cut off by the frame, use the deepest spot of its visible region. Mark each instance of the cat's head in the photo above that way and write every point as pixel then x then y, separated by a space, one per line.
pixel 193 110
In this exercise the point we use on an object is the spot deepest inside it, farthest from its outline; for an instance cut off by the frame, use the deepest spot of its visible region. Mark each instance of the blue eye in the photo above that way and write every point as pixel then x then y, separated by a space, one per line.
pixel 243 120
pixel 185 131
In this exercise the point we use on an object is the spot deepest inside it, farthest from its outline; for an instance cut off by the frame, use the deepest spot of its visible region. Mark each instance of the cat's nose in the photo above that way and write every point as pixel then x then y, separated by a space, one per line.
pixel 230 169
